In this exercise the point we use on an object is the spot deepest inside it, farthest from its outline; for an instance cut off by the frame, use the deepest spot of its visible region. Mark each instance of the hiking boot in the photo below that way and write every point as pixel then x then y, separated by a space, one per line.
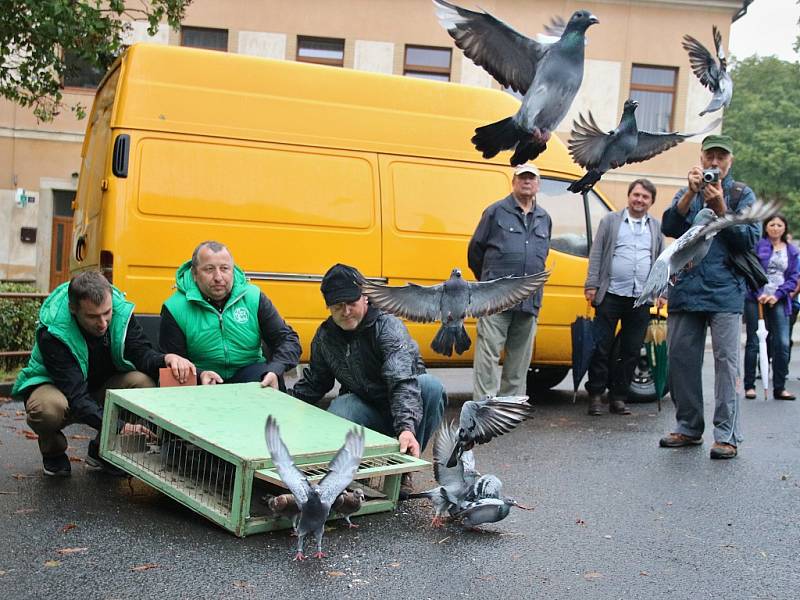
pixel 595 405
pixel 93 461
pixel 56 466
pixel 677 440
pixel 618 407
pixel 406 486
pixel 722 450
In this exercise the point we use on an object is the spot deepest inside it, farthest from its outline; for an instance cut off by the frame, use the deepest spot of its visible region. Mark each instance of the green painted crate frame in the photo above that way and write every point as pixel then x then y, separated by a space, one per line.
pixel 210 452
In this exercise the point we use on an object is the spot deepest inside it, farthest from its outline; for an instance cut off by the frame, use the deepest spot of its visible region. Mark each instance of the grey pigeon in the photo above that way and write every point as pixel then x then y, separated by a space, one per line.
pixel 451 302
pixel 549 75
pixel 486 486
pixel 482 420
pixel 692 246
pixel 599 151
pixel 315 501
pixel 454 482
pixel 486 510
pixel 711 74
pixel 348 503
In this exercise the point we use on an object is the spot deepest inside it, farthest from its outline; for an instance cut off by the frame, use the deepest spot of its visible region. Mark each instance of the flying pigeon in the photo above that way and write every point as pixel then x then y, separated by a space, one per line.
pixel 451 302
pixel 599 151
pixel 315 501
pixel 482 420
pixel 693 245
pixel 454 482
pixel 549 75
pixel 486 510
pixel 348 503
pixel 712 75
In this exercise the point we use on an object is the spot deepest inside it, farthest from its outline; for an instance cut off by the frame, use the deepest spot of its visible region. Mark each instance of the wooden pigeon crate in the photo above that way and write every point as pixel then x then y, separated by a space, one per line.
pixel 208 450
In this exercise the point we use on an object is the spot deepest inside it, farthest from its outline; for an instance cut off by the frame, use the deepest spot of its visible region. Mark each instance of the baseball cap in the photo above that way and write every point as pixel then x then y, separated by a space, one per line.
pixel 340 284
pixel 723 142
pixel 526 168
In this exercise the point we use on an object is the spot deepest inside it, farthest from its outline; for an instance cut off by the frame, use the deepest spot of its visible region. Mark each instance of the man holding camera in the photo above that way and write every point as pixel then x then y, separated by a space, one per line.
pixel 708 294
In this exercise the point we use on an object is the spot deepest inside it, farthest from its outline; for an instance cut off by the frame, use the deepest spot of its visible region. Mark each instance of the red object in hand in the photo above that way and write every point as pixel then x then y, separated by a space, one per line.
pixel 167 379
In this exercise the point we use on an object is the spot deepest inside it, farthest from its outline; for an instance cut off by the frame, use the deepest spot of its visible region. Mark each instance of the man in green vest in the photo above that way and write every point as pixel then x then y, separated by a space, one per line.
pixel 219 321
pixel 87 341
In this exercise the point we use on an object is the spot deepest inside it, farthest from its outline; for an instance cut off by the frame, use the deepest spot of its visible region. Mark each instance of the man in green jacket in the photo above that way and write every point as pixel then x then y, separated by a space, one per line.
pixel 219 320
pixel 87 341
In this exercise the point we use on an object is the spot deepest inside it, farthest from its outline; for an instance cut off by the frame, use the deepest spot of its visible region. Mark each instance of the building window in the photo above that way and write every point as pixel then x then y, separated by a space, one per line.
pixel 79 73
pixel 427 62
pixel 322 51
pixel 654 89
pixel 205 37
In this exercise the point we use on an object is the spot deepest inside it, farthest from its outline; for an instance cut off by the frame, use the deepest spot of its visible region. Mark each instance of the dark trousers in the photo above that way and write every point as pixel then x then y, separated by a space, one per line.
pixel 777 322
pixel 603 374
pixel 254 372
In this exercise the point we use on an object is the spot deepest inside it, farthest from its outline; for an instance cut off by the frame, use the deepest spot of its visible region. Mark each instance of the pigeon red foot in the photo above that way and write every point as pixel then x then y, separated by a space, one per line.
pixel 319 554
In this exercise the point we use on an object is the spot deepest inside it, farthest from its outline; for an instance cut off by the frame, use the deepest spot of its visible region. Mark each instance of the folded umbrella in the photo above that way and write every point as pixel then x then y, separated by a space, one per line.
pixel 763 356
pixel 582 330
pixel 655 341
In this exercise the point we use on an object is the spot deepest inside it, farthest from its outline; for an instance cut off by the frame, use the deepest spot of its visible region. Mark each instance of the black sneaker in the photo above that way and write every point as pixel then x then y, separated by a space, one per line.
pixel 56 466
pixel 93 461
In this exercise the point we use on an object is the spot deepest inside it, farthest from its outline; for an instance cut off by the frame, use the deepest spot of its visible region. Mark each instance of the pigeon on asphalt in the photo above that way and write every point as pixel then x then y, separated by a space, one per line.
pixel 486 510
pixel 348 503
pixel 712 75
pixel 599 151
pixel 549 75
pixel 482 420
pixel 454 482
pixel 486 486
pixel 315 501
pixel 451 302
pixel 692 246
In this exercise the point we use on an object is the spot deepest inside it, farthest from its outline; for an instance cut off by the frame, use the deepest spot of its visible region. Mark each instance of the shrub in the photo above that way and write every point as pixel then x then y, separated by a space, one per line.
pixel 18 319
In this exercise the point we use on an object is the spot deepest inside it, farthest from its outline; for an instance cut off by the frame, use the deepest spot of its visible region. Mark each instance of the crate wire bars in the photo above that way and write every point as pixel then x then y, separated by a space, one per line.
pixel 206 450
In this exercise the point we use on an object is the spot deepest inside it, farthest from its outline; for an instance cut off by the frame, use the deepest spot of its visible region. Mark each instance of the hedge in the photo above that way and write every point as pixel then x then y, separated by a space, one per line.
pixel 17 323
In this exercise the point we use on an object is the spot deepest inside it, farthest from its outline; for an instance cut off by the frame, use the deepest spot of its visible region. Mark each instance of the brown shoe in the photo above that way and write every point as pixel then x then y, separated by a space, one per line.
pixel 595 405
pixel 617 406
pixel 406 486
pixel 677 440
pixel 722 450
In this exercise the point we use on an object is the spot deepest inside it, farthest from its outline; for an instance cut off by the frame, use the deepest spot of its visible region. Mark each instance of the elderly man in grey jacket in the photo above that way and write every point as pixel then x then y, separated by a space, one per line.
pixel 627 243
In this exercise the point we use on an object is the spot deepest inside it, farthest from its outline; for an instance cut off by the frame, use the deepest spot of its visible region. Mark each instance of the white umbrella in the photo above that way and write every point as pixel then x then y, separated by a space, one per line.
pixel 763 357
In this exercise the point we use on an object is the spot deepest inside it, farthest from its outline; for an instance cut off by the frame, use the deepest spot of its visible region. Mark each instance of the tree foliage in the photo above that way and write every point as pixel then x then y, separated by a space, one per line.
pixel 18 318
pixel 764 121
pixel 35 36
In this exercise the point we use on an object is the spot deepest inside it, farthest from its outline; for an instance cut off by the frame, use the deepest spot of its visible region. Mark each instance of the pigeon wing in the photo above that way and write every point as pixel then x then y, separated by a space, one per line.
pixel 507 55
pixel 489 297
pixel 556 26
pixel 718 44
pixel 342 467
pixel 290 474
pixel 450 478
pixel 757 212
pixel 489 418
pixel 703 64
pixel 587 142
pixel 651 144
pixel 413 302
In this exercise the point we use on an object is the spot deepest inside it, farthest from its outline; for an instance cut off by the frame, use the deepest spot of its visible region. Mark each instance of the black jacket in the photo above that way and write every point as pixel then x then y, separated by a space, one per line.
pixel 281 341
pixel 67 376
pixel 379 362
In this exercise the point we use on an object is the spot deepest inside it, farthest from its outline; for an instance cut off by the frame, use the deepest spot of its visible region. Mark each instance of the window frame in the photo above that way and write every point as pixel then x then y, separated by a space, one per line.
pixel 330 62
pixel 197 28
pixel 659 89
pixel 415 68
pixel 77 89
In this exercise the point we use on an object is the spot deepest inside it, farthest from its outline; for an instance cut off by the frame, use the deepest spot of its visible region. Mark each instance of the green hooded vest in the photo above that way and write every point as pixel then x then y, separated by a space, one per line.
pixel 218 341
pixel 59 322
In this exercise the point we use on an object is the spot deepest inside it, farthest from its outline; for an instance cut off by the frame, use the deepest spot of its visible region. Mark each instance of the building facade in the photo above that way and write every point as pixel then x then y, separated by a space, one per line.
pixel 635 52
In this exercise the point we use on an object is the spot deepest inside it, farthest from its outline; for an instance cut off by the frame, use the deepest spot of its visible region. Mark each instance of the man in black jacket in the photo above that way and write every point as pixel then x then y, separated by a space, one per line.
pixel 383 382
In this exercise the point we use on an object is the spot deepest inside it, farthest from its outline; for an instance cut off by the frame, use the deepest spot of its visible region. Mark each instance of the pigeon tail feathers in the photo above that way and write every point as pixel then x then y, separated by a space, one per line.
pixel 655 285
pixel 527 150
pixel 502 135
pixel 449 337
pixel 585 183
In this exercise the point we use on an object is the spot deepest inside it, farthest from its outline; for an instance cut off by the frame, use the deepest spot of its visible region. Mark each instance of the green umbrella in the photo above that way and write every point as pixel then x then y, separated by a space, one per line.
pixel 656 343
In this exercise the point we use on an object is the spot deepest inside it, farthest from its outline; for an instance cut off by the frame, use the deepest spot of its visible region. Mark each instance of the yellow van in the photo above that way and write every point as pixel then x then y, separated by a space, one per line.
pixel 296 167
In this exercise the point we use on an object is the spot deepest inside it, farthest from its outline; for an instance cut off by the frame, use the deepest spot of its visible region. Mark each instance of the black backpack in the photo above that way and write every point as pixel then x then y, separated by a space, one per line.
pixel 745 263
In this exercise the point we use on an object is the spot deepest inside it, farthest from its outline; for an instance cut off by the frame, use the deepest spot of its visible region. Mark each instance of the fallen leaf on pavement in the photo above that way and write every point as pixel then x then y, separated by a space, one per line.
pixel 75 459
pixel 68 527
pixel 52 563
pixel 238 583
pixel 79 436
pixel 30 435
pixel 67 551
pixel 335 573
pixel 24 511
pixel 19 476
pixel 394 565
pixel 145 567
pixel 3 492
pixel 592 576
pixel 20 413
pixel 644 573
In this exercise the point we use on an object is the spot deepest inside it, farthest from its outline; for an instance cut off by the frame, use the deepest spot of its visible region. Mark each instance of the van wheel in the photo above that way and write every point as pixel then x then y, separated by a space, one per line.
pixel 541 379
pixel 642 388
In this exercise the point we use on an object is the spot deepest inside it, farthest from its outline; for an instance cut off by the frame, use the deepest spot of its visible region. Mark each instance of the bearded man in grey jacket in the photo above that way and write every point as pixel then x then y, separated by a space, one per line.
pixel 627 243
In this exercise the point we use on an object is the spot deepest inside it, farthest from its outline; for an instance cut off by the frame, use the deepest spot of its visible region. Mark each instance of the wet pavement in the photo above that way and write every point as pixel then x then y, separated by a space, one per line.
pixel 615 517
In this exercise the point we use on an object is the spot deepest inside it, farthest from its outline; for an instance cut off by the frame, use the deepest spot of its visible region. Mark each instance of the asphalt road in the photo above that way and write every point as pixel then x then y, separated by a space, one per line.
pixel 615 517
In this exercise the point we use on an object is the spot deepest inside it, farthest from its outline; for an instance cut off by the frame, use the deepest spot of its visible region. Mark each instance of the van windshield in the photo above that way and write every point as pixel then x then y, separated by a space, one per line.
pixel 566 209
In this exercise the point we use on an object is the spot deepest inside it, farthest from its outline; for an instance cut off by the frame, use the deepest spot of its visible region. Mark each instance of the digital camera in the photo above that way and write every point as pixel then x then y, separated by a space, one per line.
pixel 711 175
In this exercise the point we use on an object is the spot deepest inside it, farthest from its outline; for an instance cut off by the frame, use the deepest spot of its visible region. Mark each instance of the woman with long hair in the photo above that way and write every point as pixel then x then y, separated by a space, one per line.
pixel 779 259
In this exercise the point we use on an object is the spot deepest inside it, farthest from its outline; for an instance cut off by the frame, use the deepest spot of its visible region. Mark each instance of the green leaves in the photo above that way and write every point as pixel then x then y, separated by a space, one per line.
pixel 764 121
pixel 40 33
pixel 17 323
